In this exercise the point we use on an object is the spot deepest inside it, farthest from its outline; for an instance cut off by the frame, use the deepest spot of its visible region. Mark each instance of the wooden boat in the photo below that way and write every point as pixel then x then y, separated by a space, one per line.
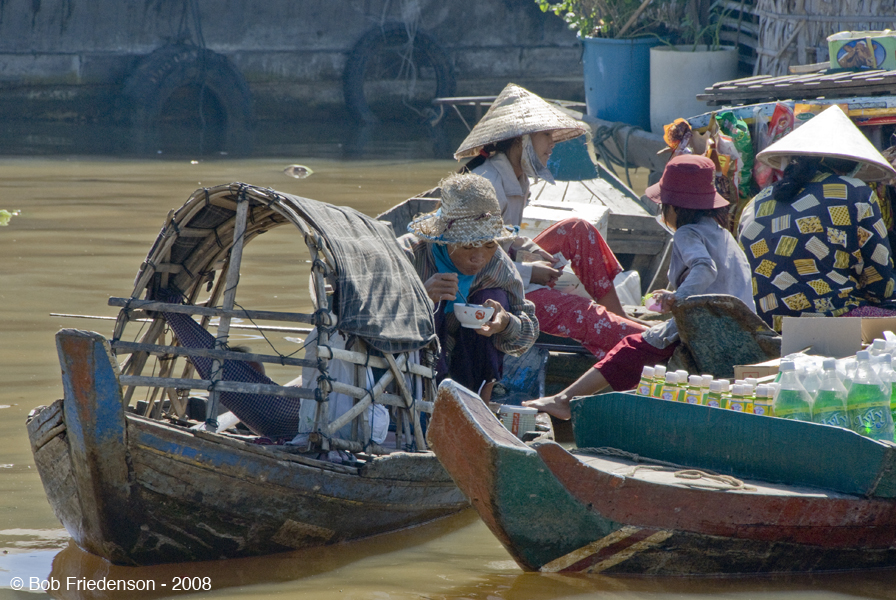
pixel 666 488
pixel 151 485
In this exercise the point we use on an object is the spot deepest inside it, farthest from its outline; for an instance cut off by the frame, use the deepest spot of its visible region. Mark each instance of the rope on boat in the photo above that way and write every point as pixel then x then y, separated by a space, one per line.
pixel 726 482
pixel 605 133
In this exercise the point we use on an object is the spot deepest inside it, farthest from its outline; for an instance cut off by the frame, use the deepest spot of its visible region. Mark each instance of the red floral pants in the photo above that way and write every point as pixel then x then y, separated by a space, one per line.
pixel 571 316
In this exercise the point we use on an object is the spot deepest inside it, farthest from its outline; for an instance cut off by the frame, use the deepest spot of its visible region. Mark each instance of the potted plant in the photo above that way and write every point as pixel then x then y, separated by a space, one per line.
pixel 692 60
pixel 617 36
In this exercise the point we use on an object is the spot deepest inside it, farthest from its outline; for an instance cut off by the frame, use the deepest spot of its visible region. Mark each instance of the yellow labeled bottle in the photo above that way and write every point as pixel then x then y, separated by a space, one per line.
pixel 762 403
pixel 694 392
pixel 659 380
pixel 645 386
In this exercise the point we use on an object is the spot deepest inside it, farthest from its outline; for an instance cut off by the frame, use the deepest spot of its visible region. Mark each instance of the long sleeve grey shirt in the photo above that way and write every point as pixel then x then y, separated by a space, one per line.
pixel 706 259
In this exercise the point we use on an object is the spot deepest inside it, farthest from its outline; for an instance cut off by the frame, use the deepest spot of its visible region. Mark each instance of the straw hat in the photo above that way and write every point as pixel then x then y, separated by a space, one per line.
pixel 469 214
pixel 515 112
pixel 687 182
pixel 833 134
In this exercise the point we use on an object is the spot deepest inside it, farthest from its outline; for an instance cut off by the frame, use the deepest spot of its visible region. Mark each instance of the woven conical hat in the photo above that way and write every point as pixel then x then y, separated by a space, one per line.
pixel 515 112
pixel 833 134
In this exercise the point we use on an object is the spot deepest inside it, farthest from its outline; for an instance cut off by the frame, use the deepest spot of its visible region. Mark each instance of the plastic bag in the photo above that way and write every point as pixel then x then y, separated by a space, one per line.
pixel 780 125
pixel 736 128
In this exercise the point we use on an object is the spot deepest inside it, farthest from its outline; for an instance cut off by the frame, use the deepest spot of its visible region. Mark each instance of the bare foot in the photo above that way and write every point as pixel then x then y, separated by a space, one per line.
pixel 552 405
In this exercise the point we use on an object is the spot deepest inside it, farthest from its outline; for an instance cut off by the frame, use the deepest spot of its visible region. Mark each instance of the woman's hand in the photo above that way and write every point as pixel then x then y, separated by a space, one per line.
pixel 665 299
pixel 441 286
pixel 544 274
pixel 498 323
pixel 547 256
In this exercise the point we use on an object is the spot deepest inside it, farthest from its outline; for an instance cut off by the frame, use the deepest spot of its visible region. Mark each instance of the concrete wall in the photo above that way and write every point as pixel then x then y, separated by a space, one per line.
pixel 67 59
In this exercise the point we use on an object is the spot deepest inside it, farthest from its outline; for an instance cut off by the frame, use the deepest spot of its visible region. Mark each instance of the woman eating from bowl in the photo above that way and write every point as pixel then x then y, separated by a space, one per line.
pixel 456 252
pixel 511 143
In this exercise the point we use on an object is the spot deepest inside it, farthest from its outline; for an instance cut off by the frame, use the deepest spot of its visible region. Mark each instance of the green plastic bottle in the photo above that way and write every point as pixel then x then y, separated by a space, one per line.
pixel 830 400
pixel 868 402
pixel 792 401
pixel 892 374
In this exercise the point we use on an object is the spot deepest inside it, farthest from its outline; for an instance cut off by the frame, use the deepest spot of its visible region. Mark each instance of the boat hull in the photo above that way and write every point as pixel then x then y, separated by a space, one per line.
pixel 138 491
pixel 555 512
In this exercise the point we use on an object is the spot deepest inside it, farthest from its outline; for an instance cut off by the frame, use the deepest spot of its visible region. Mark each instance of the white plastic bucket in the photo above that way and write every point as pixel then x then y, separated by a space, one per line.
pixel 518 419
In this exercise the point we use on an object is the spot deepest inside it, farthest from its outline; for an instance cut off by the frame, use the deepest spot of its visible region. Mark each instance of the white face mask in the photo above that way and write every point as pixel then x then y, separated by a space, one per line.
pixel 531 164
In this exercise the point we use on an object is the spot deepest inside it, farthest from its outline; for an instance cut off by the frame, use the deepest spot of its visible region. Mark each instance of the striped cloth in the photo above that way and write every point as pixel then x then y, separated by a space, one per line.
pixel 379 297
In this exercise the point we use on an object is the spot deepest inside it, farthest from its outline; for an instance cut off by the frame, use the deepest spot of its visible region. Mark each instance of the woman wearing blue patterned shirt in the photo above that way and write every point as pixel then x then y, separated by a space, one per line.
pixel 815 241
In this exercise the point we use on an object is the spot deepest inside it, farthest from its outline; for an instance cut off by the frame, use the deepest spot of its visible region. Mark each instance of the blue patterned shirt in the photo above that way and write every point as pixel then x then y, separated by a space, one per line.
pixel 825 253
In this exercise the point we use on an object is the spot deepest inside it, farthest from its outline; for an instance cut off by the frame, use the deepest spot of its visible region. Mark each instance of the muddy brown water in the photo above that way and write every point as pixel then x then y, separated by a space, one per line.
pixel 84 228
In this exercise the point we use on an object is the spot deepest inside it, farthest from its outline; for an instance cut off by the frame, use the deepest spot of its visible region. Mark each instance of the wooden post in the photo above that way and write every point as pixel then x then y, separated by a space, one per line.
pixel 233 279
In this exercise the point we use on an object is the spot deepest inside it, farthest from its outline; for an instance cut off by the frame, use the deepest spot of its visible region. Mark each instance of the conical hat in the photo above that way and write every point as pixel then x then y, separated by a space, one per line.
pixel 833 134
pixel 515 112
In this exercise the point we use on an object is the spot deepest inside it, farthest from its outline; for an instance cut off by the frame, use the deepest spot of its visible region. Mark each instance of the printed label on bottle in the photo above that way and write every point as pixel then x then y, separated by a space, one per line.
pixel 692 399
pixel 736 405
pixel 760 409
pixel 668 395
pixel 799 413
pixel 713 403
pixel 834 416
pixel 870 419
pixel 644 389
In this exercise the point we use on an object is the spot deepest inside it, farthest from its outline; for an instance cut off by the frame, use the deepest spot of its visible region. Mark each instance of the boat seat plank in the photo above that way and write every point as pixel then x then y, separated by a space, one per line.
pixel 737 444
pixel 626 468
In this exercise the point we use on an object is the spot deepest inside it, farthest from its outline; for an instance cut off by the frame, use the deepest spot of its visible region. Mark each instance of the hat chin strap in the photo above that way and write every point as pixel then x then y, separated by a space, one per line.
pixel 532 164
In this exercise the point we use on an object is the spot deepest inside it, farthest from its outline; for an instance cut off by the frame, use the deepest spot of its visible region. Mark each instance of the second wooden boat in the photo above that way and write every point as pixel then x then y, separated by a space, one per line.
pixel 666 488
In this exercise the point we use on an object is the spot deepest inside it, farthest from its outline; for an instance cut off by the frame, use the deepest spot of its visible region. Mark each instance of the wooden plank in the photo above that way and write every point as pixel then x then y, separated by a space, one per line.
pixel 224 386
pixel 97 439
pixel 189 309
pixel 126 347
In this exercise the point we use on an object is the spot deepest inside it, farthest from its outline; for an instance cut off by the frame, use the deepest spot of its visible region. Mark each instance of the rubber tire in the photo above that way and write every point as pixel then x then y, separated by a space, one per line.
pixel 388 35
pixel 157 75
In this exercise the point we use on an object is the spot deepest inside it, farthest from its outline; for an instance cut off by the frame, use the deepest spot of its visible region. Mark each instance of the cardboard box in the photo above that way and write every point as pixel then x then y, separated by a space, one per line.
pixel 767 369
pixel 863 50
pixel 832 336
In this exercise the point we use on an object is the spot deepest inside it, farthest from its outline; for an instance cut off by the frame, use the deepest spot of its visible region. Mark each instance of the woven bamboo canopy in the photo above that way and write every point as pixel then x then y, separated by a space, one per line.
pixel 199 251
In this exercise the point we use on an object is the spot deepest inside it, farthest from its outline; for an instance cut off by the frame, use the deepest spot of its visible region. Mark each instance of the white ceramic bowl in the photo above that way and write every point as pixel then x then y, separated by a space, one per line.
pixel 473 316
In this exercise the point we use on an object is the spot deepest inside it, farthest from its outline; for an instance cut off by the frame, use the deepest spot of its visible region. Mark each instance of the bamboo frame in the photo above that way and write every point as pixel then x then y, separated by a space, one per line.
pixel 214 249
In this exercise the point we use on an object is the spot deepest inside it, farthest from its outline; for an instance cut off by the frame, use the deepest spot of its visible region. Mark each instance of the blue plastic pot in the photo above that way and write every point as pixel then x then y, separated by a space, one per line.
pixel 617 79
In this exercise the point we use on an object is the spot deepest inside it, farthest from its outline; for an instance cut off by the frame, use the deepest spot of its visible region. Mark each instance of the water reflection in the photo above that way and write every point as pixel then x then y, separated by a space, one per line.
pixel 342 139
pixel 73 565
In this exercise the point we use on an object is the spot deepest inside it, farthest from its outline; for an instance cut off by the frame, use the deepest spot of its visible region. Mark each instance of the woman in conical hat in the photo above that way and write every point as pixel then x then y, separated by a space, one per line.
pixel 456 253
pixel 510 144
pixel 815 240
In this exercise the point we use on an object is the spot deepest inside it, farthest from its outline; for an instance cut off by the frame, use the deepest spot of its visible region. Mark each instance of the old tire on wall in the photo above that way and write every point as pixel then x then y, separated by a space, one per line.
pixel 165 71
pixel 387 77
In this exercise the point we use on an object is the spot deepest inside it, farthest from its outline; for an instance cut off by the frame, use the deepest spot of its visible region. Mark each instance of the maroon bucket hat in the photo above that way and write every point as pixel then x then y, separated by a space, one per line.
pixel 687 182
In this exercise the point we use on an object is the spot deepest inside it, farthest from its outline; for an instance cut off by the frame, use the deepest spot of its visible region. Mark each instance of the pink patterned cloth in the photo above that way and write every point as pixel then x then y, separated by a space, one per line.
pixel 870 311
pixel 571 316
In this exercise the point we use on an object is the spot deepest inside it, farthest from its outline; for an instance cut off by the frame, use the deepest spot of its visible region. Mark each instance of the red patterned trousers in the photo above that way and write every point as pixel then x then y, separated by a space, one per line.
pixel 571 316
